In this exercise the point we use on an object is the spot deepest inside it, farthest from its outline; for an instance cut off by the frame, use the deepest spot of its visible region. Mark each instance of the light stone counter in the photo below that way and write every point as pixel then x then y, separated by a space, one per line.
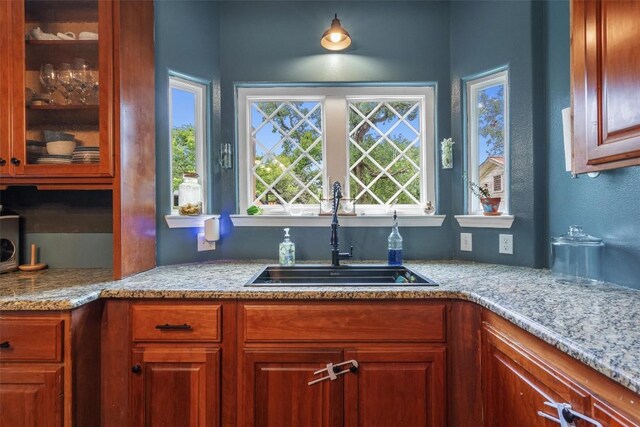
pixel 596 324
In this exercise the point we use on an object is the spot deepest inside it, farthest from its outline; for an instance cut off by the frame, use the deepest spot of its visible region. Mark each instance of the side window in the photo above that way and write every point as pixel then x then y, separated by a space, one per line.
pixel 187 112
pixel 488 137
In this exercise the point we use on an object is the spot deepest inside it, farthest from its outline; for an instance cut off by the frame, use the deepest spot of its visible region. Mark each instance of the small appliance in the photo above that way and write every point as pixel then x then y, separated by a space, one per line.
pixel 9 241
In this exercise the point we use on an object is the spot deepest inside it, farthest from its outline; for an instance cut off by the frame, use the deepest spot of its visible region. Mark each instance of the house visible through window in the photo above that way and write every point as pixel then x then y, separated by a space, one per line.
pixel 187 112
pixel 497 183
pixel 488 137
pixel 294 142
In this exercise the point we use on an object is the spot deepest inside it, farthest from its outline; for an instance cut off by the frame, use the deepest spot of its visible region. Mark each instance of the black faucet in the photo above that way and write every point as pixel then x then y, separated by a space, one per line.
pixel 336 256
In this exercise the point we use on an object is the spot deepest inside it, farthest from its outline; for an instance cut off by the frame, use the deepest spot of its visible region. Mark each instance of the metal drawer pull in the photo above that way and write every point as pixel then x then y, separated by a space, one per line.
pixel 334 371
pixel 566 415
pixel 5 344
pixel 168 327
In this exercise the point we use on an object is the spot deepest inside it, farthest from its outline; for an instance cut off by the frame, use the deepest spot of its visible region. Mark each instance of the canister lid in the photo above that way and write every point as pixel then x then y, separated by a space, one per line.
pixel 575 236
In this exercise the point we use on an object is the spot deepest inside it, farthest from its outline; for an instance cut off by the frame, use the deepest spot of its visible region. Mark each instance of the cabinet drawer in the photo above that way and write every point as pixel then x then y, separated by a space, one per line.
pixel 344 322
pixel 24 340
pixel 177 322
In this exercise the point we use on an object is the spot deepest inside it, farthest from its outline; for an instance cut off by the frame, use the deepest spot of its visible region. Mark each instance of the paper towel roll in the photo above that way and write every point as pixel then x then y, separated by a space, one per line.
pixel 212 229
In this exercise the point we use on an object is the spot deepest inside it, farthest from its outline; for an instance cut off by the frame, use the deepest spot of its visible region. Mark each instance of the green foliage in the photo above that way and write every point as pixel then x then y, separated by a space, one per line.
pixel 491 121
pixel 183 153
pixel 271 167
pixel 384 153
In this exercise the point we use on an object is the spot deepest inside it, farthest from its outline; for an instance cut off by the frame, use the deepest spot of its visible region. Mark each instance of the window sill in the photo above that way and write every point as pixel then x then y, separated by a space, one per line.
pixel 482 221
pixel 345 221
pixel 187 221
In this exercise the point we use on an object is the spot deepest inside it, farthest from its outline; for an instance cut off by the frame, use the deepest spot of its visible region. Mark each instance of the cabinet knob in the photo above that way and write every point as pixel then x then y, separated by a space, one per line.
pixel 2 161
pixel 15 162
pixel 136 369
pixel 5 345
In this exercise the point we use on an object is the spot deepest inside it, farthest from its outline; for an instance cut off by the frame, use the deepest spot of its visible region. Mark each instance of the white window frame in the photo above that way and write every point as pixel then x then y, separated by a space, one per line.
pixel 473 87
pixel 335 136
pixel 199 91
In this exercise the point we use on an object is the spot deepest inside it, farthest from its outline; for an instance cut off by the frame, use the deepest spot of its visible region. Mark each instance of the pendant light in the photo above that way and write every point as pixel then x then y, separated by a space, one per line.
pixel 336 37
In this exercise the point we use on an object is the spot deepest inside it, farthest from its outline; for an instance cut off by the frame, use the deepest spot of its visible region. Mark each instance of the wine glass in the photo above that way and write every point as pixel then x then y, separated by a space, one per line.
pixel 48 79
pixel 65 77
pixel 82 78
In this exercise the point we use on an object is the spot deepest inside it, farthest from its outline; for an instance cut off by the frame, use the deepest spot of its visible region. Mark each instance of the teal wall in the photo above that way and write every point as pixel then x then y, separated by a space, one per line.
pixel 607 206
pixel 444 42
pixel 279 42
pixel 486 36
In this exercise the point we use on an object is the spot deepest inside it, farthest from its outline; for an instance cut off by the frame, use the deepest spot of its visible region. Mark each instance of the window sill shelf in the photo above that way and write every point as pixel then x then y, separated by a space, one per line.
pixel 345 221
pixel 187 221
pixel 482 221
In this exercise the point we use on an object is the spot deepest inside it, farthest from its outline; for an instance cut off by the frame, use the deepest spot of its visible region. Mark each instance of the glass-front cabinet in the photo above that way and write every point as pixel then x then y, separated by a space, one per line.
pixel 61 89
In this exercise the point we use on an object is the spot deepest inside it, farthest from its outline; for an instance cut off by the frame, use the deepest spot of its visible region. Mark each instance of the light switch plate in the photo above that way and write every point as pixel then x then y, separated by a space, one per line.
pixel 465 241
pixel 205 245
pixel 506 244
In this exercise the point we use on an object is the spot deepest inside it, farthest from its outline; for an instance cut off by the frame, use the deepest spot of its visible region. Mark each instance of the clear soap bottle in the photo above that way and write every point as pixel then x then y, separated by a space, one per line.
pixel 287 251
pixel 395 243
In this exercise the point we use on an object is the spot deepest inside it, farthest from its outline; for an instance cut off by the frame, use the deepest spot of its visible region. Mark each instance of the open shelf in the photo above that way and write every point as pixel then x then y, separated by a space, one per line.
pixel 55 52
pixel 61 10
pixel 65 116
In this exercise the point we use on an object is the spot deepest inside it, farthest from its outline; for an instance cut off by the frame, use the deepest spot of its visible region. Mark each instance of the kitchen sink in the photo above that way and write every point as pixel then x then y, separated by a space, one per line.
pixel 344 275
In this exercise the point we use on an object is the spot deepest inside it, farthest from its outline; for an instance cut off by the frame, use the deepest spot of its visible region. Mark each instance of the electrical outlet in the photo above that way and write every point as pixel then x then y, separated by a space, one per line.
pixel 205 245
pixel 506 244
pixel 465 241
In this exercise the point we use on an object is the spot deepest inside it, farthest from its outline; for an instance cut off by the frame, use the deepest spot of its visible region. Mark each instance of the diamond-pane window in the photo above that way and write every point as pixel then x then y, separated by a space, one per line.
pixel 295 142
pixel 384 152
pixel 286 139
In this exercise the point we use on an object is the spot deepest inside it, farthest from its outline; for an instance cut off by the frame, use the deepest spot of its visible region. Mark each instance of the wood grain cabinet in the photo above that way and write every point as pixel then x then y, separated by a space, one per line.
pixel 175 373
pixel 399 349
pixel 605 40
pixel 520 374
pixel 47 378
pixel 180 368
pixel 82 100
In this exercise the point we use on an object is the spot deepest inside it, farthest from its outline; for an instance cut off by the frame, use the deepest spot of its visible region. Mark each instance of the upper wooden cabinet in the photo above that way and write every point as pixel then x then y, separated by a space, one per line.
pixel 605 41
pixel 75 75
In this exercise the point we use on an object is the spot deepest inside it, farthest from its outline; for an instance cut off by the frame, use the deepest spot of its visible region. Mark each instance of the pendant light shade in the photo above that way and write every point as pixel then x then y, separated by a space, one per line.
pixel 336 37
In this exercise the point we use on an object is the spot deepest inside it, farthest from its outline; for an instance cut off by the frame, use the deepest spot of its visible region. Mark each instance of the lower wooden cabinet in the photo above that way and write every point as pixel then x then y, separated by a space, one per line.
pixel 31 396
pixel 175 386
pixel 276 390
pixel 396 386
pixel 521 376
pixel 401 364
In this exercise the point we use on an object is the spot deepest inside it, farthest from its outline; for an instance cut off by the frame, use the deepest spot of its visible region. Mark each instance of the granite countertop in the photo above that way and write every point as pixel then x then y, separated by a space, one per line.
pixel 595 323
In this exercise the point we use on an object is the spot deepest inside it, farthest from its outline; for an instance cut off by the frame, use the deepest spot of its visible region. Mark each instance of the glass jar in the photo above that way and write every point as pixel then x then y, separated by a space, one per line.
pixel 576 257
pixel 190 195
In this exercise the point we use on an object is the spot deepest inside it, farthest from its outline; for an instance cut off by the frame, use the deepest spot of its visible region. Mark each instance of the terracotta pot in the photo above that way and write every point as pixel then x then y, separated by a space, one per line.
pixel 490 205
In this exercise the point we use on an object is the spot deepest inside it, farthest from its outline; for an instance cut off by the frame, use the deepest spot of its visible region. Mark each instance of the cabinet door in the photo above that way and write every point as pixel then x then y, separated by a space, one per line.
pixel 516 385
pixel 5 99
pixel 176 387
pixel 31 396
pixel 79 89
pixel 275 390
pixel 396 386
pixel 606 84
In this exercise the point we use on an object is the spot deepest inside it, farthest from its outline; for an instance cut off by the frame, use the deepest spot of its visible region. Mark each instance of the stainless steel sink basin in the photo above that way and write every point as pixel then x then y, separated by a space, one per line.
pixel 344 275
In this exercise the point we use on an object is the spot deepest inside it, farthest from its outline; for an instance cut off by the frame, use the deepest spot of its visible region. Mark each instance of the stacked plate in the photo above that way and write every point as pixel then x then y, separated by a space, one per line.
pixel 86 155
pixel 50 159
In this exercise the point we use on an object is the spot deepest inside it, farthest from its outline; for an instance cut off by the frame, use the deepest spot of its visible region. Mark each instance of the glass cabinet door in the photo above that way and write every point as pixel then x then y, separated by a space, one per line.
pixel 62 88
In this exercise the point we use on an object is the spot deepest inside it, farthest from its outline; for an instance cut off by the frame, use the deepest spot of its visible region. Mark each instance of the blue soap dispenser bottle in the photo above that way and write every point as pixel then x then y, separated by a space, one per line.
pixel 287 252
pixel 395 243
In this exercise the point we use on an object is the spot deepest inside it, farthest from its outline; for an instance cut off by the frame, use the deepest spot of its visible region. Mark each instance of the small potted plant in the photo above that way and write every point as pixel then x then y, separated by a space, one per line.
pixel 490 205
